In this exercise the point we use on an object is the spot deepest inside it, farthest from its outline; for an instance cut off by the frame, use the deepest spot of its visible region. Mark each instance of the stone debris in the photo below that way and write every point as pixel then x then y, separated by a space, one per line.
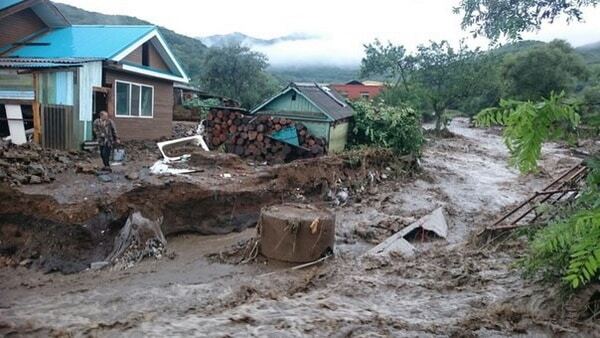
pixel 29 163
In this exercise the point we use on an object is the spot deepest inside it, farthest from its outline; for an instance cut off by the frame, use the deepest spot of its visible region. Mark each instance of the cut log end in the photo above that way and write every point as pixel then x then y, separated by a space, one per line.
pixel 296 232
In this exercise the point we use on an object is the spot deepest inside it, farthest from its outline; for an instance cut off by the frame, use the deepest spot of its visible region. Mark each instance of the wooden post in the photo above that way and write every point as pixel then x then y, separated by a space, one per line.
pixel 37 119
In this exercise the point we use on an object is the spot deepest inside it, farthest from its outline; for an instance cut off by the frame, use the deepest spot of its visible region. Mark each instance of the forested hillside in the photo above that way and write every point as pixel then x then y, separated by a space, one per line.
pixel 188 51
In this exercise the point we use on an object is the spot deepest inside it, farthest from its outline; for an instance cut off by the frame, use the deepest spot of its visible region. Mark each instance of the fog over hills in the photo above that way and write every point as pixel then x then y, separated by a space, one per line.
pixel 297 49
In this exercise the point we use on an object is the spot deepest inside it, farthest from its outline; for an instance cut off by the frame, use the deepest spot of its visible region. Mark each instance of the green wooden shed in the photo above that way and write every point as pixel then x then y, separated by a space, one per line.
pixel 322 110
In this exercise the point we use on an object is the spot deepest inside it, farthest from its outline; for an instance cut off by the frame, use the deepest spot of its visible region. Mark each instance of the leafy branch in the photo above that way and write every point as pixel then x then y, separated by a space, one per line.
pixel 529 124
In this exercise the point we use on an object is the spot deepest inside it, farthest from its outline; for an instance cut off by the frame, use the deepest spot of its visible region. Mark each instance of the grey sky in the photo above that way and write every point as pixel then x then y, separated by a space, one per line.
pixel 343 25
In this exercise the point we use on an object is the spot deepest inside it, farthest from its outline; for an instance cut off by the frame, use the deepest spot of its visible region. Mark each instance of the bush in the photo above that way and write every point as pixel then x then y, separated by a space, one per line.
pixel 394 127
pixel 202 106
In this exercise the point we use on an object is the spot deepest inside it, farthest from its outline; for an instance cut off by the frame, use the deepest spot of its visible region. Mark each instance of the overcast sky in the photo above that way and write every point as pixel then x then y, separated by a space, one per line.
pixel 343 25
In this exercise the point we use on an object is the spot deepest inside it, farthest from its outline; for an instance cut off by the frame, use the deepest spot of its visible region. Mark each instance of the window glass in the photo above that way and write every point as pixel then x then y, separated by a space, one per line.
pixel 135 100
pixel 122 98
pixel 147 97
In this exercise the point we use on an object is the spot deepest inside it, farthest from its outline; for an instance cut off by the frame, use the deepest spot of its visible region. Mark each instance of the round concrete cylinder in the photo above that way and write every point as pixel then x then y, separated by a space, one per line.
pixel 297 233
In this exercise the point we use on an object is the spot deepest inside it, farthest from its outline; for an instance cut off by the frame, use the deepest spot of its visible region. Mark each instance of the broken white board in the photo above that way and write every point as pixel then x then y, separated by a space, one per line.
pixel 15 123
pixel 393 245
pixel 435 222
pixel 162 168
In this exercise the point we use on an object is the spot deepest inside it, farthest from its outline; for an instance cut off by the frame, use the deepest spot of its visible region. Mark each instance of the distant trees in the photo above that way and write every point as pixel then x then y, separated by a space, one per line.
pixel 497 18
pixel 535 73
pixel 436 78
pixel 238 73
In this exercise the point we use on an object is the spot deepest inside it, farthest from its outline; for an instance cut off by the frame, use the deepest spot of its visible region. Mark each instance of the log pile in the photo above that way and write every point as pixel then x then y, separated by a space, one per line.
pixel 250 137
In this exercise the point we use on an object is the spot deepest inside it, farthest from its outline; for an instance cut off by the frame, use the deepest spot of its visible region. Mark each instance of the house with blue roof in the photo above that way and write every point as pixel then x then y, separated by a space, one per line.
pixel 55 77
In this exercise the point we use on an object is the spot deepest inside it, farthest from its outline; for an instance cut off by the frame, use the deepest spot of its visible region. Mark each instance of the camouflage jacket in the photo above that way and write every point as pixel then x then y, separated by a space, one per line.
pixel 105 131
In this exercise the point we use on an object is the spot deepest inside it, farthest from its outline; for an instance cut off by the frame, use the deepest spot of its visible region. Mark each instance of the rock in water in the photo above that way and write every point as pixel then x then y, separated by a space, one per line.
pixel 296 232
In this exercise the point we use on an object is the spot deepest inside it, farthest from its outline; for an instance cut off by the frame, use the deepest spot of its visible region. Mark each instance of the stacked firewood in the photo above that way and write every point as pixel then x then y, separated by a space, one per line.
pixel 251 137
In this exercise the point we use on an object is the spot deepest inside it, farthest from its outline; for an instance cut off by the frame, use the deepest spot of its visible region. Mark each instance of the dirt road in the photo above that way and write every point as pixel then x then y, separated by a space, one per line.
pixel 450 288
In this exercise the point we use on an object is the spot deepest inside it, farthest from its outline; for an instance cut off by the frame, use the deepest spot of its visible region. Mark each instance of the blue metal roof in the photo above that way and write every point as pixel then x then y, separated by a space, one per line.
pixel 7 3
pixel 97 41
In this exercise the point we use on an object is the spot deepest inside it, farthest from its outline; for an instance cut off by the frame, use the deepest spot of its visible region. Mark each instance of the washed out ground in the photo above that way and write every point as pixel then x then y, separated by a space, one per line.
pixel 452 287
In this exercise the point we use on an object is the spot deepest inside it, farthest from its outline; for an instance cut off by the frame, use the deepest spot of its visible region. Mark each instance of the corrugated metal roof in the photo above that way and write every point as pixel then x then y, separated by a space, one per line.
pixel 8 3
pixel 24 63
pixel 332 103
pixel 98 41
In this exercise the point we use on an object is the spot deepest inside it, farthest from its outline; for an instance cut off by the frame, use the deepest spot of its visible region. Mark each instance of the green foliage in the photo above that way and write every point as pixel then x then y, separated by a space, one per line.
pixel 529 124
pixel 497 18
pixel 387 60
pixel 237 72
pixel 202 106
pixel 569 248
pixel 377 124
pixel 436 78
pixel 446 76
pixel 536 72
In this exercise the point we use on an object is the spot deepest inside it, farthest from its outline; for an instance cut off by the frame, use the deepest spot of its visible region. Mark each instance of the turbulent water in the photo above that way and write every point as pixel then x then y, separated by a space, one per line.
pixel 449 288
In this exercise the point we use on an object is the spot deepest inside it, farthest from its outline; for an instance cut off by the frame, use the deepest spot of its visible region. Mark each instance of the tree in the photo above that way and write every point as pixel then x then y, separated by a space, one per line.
pixel 497 18
pixel 239 73
pixel 445 77
pixel 535 73
pixel 389 61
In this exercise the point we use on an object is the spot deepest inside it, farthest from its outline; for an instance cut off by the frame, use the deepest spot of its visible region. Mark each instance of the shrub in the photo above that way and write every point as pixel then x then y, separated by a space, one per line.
pixel 394 127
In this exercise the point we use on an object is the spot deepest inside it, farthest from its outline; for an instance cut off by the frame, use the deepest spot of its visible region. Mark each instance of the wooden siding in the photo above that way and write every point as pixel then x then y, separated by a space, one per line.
pixel 135 56
pixel 300 108
pixel 156 61
pixel 338 136
pixel 18 26
pixel 139 128
pixel 154 58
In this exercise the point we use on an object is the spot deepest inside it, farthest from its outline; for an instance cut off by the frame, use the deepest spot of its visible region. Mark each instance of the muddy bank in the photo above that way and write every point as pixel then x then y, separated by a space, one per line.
pixel 80 233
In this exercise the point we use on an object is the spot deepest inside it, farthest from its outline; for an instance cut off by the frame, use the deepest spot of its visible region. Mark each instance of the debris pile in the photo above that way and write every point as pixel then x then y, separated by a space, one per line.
pixel 31 164
pixel 252 137
pixel 140 237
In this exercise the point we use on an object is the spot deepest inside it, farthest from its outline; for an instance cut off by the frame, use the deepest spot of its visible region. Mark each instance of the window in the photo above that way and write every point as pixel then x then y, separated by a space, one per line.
pixel 146 54
pixel 134 99
pixel 364 95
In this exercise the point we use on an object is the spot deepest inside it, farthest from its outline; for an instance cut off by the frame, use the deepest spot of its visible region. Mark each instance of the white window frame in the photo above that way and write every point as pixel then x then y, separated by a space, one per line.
pixel 139 100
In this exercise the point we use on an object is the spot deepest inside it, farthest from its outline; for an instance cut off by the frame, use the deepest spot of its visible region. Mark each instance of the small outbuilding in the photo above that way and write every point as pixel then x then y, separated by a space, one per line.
pixel 322 110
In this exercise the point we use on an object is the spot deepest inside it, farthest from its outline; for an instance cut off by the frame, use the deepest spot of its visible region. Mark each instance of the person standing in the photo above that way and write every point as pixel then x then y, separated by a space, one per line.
pixel 106 136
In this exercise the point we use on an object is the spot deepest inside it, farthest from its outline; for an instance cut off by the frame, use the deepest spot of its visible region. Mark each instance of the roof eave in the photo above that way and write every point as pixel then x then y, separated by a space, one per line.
pixel 120 55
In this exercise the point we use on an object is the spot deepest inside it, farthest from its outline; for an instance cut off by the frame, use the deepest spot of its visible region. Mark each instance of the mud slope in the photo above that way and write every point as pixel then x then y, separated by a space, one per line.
pixel 69 236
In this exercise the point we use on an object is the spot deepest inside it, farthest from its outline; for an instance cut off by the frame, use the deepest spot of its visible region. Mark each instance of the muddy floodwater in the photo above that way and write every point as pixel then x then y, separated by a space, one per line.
pixel 450 288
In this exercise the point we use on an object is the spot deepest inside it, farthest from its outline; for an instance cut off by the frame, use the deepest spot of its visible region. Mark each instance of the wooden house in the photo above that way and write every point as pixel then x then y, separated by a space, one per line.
pixel 322 110
pixel 56 77
pixel 356 90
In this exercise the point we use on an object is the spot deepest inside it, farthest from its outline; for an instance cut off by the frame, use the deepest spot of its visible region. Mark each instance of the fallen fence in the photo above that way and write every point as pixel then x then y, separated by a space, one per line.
pixel 565 188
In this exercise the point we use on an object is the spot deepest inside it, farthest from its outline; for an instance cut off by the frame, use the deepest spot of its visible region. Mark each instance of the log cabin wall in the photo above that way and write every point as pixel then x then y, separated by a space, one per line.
pixel 143 128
